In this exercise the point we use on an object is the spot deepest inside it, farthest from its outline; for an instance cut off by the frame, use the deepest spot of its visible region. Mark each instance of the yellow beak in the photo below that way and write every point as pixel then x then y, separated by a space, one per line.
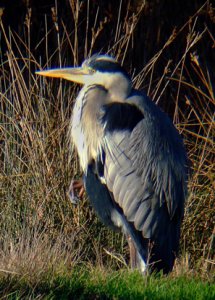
pixel 73 74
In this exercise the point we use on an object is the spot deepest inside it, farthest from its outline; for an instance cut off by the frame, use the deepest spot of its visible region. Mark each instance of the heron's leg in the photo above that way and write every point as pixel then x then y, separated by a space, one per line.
pixel 133 253
pixel 76 186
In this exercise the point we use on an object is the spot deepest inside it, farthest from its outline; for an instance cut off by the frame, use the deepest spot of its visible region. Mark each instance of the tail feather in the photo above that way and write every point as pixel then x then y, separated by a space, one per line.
pixel 162 256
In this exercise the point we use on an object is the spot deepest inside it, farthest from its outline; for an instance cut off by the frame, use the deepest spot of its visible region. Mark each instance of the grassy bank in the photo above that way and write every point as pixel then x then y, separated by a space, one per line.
pixel 100 284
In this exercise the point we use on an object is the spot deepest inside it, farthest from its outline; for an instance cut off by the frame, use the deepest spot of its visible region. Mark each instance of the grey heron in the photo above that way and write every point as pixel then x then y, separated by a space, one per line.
pixel 133 160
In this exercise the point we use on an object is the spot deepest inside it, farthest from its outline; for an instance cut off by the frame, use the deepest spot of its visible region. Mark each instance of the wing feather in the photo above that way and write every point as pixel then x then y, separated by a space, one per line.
pixel 144 170
pixel 142 214
pixel 127 184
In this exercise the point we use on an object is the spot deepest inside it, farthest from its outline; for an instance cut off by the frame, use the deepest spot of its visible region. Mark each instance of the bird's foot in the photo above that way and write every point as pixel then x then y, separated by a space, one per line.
pixel 76 191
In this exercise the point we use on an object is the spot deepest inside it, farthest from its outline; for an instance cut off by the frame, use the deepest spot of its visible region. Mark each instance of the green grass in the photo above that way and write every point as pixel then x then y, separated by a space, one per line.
pixel 100 284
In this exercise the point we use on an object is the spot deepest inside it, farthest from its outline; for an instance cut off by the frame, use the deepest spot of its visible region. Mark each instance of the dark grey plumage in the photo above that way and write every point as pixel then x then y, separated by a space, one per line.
pixel 145 175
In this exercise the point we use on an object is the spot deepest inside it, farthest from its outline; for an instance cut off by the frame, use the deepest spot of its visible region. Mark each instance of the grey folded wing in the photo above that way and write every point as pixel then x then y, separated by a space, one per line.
pixel 145 173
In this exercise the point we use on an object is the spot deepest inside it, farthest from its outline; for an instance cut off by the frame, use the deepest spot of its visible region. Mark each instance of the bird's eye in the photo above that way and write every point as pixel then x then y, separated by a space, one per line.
pixel 91 70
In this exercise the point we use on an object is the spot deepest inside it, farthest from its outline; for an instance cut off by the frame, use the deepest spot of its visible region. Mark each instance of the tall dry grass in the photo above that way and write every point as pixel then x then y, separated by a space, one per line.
pixel 40 229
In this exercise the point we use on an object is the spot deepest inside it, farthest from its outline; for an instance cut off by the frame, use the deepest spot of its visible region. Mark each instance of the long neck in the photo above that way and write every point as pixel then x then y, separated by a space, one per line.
pixel 85 129
pixel 118 88
pixel 117 85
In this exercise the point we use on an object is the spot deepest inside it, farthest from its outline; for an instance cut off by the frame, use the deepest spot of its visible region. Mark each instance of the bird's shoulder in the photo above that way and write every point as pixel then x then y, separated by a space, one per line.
pixel 135 108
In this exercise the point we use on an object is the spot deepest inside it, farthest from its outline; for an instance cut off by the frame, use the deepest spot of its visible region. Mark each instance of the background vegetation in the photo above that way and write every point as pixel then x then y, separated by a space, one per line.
pixel 168 48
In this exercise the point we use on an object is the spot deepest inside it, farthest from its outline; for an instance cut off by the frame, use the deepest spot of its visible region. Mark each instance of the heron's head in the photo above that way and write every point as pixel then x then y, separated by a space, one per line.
pixel 100 70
